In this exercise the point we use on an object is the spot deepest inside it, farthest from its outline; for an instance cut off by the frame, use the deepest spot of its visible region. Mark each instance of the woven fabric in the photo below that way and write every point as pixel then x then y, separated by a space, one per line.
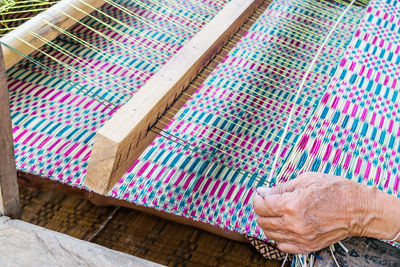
pixel 57 108
pixel 219 147
pixel 355 129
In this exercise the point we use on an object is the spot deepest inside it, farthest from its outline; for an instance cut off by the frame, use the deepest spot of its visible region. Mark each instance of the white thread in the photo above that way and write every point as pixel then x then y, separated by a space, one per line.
pixel 103 225
pixel 343 247
pixel 280 144
pixel 395 238
pixel 284 261
pixel 332 249
pixel 311 260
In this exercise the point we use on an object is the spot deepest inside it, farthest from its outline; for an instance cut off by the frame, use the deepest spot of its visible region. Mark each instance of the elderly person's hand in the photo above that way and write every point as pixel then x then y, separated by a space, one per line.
pixel 316 210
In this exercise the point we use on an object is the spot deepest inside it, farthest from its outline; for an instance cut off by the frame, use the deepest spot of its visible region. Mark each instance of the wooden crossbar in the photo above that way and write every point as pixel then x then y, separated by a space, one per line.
pixel 39 26
pixel 9 196
pixel 126 135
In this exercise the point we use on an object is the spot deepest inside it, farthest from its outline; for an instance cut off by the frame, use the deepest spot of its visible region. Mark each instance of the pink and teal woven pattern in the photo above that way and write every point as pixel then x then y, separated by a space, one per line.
pixel 58 107
pixel 207 162
pixel 355 130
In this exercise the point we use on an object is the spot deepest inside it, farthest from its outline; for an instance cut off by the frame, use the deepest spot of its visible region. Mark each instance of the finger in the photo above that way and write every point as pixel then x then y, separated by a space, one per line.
pixel 271 224
pixel 277 237
pixel 267 207
pixel 302 181
pixel 293 248
pixel 283 237
pixel 279 189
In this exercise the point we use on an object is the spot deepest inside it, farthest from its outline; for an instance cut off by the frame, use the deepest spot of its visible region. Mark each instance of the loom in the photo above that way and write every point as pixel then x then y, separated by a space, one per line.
pixel 185 106
pixel 104 168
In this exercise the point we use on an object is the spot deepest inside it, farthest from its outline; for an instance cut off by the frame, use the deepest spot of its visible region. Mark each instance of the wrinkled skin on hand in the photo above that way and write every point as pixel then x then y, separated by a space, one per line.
pixel 316 210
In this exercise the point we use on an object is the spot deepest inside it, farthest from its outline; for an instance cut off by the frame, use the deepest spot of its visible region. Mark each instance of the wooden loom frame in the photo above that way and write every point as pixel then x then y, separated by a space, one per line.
pixel 9 195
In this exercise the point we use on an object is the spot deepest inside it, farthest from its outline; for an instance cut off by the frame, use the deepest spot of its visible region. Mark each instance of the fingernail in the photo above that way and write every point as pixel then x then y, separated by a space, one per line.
pixel 263 191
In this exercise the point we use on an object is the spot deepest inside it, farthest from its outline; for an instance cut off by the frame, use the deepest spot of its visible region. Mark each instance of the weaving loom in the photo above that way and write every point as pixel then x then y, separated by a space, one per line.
pixel 302 85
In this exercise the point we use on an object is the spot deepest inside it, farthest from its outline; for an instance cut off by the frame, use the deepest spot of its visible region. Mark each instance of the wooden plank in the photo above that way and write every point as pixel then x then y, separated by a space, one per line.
pixel 39 25
pixel 25 244
pixel 125 136
pixel 9 196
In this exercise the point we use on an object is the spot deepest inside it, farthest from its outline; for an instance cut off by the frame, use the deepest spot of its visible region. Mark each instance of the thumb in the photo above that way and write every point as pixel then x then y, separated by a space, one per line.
pixel 277 189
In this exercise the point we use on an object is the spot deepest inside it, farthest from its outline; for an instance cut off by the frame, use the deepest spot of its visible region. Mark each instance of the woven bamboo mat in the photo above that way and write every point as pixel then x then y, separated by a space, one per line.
pixel 135 232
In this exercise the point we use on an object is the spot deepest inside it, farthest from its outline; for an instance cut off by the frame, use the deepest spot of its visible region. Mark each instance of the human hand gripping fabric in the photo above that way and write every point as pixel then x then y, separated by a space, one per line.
pixel 316 210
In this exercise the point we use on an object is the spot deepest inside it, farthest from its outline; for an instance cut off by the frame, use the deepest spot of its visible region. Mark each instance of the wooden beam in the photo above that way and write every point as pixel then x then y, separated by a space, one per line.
pixel 75 10
pixel 9 196
pixel 125 136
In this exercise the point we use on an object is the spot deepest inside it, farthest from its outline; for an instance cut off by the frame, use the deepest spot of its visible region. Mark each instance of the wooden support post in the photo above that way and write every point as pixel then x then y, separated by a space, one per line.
pixel 125 136
pixel 9 195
